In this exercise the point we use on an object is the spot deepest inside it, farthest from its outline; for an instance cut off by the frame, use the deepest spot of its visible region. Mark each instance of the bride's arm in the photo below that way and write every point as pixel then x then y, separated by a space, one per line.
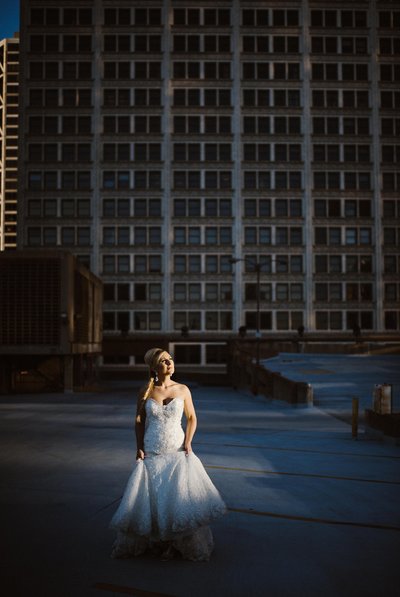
pixel 139 429
pixel 191 421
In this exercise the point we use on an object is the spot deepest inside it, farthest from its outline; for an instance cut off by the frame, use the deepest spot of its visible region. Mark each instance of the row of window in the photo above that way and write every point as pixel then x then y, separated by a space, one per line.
pixel 330 18
pixel 337 291
pixel 143 70
pixel 342 180
pixel 201 292
pixel 196 207
pixel 52 98
pixel 151 320
pixel 65 16
pixel 208 179
pixel 210 17
pixel 196 264
pixel 205 124
pixel 64 208
pixel 63 152
pixel 185 354
pixel 330 71
pixel 67 44
pixel 50 236
pixel 346 208
pixel 343 320
pixel 182 292
pixel 197 292
pixel 192 43
pixel 209 207
pixel 193 179
pixel 335 235
pixel 55 125
pixel 52 70
pixel 343 264
pixel 182 152
pixel 340 98
pixel 336 264
pixel 334 152
pixel 196 97
pixel 221 70
pixel 252 180
pixel 67 180
pixel 342 125
pixel 269 320
pixel 181 207
pixel 348 292
pixel 153 17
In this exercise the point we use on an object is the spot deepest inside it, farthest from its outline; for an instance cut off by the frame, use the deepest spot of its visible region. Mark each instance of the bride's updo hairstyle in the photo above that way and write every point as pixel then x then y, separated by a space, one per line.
pixel 151 358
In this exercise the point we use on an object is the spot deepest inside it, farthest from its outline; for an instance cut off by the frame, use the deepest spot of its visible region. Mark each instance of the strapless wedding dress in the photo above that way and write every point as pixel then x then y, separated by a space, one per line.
pixel 169 498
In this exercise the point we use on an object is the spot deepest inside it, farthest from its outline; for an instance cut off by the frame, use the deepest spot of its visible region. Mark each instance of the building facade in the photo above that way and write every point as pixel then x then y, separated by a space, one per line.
pixel 9 63
pixel 177 146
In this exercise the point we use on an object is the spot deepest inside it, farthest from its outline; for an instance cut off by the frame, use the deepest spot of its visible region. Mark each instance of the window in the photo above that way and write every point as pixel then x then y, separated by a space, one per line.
pixel 286 71
pixel 355 99
pixel 146 16
pixel 186 16
pixel 144 124
pixel 217 179
pixel 257 152
pixel 328 320
pixel 187 124
pixel 187 179
pixel 217 70
pixel 217 17
pixel 187 152
pixel 187 319
pixel 218 320
pixel 217 124
pixel 145 96
pixel 256 180
pixel 187 97
pixel 186 70
pixel 257 207
pixel 256 70
pixel 265 320
pixel 390 126
pixel 147 320
pixel 353 18
pixel 255 97
pixel 255 17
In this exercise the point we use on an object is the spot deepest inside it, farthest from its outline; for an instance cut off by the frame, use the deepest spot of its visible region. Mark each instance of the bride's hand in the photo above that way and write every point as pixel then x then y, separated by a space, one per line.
pixel 188 448
pixel 139 455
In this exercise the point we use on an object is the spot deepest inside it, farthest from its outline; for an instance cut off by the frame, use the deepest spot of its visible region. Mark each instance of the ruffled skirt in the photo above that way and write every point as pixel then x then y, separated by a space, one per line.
pixel 169 501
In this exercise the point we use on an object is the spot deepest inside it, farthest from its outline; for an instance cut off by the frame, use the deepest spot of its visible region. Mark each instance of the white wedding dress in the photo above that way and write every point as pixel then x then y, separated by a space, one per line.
pixel 169 498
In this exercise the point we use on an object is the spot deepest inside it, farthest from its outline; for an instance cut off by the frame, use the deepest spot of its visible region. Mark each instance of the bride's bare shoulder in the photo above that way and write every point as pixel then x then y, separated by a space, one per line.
pixel 181 387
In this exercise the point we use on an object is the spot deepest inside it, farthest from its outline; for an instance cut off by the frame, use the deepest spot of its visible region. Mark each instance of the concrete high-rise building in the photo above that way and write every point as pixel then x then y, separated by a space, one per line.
pixel 9 63
pixel 180 148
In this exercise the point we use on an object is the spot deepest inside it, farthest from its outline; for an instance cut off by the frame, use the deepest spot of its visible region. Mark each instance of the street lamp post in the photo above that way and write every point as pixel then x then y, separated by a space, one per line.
pixel 257 268
pixel 258 330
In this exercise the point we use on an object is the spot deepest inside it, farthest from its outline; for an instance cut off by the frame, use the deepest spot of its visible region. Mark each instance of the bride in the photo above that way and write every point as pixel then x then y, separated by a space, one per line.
pixel 169 499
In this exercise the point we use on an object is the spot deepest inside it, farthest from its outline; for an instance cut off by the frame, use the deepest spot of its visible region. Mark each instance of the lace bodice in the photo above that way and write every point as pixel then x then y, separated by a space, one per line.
pixel 163 429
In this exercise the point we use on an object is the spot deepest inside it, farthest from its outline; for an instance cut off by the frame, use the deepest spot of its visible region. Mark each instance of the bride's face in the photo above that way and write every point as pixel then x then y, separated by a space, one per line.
pixel 165 364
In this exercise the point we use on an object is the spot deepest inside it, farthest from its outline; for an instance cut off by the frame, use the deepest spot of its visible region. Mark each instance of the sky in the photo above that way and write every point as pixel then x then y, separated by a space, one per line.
pixel 9 18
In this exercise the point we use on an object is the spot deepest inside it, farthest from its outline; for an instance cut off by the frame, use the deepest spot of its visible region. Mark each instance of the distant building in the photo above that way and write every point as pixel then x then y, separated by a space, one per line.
pixel 9 65
pixel 161 140
pixel 50 321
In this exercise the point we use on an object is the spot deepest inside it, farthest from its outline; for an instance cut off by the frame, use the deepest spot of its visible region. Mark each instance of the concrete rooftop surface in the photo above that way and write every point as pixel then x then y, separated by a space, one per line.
pixel 336 379
pixel 312 512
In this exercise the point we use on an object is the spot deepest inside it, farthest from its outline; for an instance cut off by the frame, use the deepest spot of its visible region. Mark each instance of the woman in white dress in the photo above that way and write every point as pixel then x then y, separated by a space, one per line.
pixel 169 499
